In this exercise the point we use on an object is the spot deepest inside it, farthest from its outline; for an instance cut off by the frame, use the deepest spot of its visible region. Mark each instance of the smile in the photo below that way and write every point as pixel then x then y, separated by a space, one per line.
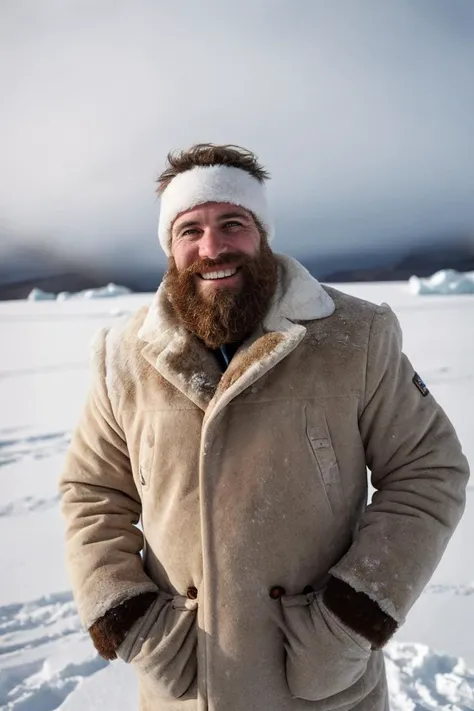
pixel 223 274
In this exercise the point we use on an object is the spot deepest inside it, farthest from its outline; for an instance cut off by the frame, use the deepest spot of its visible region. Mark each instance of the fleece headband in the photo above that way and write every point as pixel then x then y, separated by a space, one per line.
pixel 215 183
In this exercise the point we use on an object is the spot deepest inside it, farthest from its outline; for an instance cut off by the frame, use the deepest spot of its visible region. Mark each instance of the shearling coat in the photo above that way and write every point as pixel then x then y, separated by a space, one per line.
pixel 254 478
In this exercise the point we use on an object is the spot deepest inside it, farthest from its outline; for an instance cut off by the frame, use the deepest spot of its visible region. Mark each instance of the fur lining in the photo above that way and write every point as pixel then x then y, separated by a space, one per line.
pixel 359 612
pixel 259 350
pixel 109 631
pixel 196 367
pixel 216 183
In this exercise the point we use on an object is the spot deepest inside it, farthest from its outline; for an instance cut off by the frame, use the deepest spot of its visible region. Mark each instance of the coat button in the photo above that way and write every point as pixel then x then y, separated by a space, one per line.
pixel 276 592
pixel 192 593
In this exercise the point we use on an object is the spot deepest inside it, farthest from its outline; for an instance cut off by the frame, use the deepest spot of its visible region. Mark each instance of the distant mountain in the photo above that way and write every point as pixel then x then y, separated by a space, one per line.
pixel 21 270
pixel 423 262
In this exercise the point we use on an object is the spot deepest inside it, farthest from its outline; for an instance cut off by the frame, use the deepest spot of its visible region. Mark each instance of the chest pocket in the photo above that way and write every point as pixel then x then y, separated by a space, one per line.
pixel 319 440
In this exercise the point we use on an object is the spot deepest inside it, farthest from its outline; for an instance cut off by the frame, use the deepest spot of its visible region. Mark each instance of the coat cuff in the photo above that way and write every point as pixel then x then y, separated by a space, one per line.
pixel 359 612
pixel 109 631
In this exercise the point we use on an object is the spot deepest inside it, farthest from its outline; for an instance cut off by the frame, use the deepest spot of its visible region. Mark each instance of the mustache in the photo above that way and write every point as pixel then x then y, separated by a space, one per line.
pixel 234 258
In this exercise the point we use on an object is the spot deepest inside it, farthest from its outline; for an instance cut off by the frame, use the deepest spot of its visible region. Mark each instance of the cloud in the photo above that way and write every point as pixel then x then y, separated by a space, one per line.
pixel 362 112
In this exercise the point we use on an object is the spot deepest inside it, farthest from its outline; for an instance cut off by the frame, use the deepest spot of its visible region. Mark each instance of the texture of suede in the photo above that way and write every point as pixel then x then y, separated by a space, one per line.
pixel 162 647
pixel 343 670
pixel 252 479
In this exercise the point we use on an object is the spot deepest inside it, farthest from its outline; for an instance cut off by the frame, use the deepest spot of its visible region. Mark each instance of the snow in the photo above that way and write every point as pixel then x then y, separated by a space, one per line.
pixel 447 281
pixel 102 292
pixel 46 660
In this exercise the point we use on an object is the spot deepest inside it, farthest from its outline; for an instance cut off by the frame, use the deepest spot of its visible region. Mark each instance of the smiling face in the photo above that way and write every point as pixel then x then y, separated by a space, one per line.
pixel 222 274
pixel 215 240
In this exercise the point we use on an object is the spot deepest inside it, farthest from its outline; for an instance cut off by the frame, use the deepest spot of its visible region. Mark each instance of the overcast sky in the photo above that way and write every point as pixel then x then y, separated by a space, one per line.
pixel 362 110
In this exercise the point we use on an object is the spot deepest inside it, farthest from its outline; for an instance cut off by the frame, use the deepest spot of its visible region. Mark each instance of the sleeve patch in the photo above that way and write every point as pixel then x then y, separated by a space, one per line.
pixel 417 381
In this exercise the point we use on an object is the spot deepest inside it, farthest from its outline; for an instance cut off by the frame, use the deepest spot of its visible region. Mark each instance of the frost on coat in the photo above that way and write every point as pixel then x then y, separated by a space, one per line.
pixel 258 479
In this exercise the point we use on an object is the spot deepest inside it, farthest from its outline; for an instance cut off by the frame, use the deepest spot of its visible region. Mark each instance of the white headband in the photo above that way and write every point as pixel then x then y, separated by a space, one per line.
pixel 215 183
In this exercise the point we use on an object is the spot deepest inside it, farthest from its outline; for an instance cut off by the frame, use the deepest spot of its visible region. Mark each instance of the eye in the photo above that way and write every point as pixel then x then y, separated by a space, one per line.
pixel 191 231
pixel 232 223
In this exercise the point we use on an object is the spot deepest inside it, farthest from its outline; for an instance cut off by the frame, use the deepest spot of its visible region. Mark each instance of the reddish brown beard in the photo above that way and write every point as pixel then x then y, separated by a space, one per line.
pixel 227 315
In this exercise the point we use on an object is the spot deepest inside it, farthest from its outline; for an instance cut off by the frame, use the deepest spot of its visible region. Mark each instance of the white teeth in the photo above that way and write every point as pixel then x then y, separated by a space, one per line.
pixel 219 275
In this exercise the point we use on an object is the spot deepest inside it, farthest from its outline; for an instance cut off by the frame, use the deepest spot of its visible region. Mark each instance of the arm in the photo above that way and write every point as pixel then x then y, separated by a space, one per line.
pixel 101 507
pixel 420 475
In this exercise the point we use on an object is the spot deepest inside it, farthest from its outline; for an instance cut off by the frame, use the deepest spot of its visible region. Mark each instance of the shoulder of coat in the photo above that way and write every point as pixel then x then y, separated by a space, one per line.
pixel 120 341
pixel 123 335
pixel 352 307
pixel 347 330
pixel 124 364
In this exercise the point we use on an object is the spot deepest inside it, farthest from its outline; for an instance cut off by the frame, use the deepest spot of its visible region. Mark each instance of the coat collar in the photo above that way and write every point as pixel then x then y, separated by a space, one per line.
pixel 182 359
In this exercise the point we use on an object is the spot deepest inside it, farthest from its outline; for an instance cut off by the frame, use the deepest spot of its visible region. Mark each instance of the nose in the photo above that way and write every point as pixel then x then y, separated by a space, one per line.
pixel 212 244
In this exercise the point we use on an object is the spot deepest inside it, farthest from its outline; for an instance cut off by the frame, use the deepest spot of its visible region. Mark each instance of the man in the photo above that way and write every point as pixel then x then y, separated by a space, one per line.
pixel 236 417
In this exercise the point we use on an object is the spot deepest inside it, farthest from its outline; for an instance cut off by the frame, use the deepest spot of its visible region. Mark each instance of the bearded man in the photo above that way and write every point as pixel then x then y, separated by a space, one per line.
pixel 237 417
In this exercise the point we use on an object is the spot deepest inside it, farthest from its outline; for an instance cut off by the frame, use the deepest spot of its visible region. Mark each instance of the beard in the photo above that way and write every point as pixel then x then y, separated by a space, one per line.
pixel 224 315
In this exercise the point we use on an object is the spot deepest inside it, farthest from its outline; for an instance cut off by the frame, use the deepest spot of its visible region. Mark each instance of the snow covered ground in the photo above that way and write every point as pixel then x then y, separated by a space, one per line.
pixel 46 660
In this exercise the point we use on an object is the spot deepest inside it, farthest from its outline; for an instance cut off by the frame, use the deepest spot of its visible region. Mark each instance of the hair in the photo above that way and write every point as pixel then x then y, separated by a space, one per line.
pixel 207 154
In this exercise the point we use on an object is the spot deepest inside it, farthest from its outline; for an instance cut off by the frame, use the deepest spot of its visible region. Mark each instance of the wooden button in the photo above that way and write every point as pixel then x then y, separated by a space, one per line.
pixel 276 592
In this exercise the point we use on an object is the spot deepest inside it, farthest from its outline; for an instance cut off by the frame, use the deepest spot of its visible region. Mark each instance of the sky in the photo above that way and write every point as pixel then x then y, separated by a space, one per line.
pixel 362 110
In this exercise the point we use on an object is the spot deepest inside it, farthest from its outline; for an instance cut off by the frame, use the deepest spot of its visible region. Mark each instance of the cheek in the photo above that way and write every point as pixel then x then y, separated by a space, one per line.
pixel 248 243
pixel 184 255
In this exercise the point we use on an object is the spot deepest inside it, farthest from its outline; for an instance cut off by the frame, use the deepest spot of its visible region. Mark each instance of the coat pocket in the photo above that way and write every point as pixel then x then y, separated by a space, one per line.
pixel 162 646
pixel 323 658
pixel 319 440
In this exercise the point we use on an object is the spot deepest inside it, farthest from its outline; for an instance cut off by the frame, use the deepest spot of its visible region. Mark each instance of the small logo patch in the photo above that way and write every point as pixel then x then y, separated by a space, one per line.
pixel 420 385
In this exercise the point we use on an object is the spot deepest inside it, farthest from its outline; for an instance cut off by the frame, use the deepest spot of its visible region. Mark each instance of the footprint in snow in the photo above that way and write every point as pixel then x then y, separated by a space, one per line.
pixel 31 677
pixel 27 504
pixel 440 589
pixel 422 680
pixel 39 687
pixel 13 450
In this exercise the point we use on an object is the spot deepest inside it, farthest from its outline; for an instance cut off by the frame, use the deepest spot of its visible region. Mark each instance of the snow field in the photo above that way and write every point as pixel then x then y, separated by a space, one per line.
pixel 47 661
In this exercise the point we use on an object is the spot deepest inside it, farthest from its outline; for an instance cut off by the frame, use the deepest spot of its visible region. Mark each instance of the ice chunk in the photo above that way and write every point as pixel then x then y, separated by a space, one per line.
pixel 445 282
pixel 40 295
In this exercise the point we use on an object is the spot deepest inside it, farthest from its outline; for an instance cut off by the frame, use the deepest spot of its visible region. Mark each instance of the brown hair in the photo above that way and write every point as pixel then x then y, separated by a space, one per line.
pixel 206 154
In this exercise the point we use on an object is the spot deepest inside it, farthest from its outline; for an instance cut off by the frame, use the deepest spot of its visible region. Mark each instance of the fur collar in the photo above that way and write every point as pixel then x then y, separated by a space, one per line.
pixel 298 297
pixel 186 363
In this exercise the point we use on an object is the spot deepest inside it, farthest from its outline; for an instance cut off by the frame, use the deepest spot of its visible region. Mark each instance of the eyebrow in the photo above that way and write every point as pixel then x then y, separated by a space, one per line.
pixel 229 215
pixel 190 223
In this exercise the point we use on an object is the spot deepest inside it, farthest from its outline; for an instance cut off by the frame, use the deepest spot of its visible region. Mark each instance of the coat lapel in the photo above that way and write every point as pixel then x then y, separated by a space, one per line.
pixel 177 354
pixel 183 360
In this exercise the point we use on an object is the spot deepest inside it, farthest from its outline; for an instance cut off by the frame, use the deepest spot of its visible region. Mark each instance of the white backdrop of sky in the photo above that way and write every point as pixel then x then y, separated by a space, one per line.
pixel 362 110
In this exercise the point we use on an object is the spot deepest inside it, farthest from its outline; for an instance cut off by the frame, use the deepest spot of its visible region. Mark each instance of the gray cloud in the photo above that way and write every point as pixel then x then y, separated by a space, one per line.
pixel 361 110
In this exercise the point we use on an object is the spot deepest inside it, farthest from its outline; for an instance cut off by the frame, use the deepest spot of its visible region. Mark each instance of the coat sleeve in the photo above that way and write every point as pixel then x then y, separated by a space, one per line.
pixel 419 473
pixel 101 506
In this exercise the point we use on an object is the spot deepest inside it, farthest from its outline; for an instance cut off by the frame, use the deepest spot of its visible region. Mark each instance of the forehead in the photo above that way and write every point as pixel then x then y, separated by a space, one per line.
pixel 211 211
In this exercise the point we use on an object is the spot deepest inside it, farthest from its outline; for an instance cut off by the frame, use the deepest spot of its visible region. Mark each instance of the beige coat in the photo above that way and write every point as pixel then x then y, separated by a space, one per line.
pixel 255 479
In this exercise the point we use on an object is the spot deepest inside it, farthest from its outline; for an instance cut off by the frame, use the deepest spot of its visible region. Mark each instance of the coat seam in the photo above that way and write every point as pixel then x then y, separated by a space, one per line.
pixel 366 374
